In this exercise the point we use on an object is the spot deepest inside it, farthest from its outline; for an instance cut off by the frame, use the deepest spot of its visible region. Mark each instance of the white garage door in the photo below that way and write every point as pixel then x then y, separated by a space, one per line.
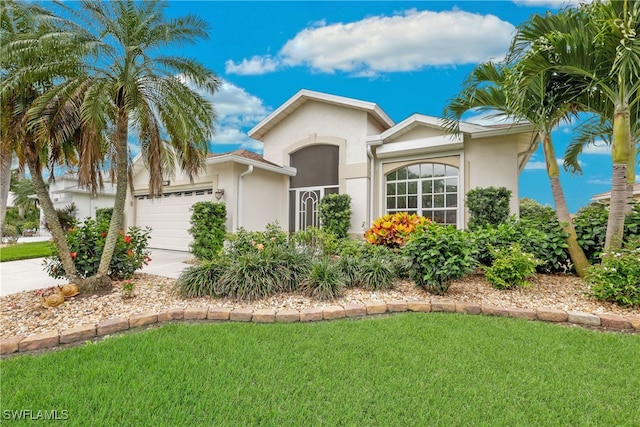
pixel 169 217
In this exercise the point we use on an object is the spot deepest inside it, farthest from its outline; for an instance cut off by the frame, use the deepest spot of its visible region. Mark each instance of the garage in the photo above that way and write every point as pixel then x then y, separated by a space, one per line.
pixel 169 217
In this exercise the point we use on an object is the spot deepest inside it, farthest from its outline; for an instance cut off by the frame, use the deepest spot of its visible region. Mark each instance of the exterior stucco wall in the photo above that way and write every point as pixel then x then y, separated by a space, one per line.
pixel 323 120
pixel 358 188
pixel 417 132
pixel 492 162
pixel 265 200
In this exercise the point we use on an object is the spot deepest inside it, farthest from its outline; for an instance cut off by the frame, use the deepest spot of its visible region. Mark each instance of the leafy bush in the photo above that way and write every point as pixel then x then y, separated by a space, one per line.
pixel 335 214
pixel 208 228
pixel 591 227
pixel 350 267
pixel 321 241
pixel 325 280
pixel 86 243
pixel 377 273
pixel 243 241
pixel 104 214
pixel 532 210
pixel 10 233
pixel 438 255
pixel 545 240
pixel 511 267
pixel 393 230
pixel 488 206
pixel 617 279
pixel 200 279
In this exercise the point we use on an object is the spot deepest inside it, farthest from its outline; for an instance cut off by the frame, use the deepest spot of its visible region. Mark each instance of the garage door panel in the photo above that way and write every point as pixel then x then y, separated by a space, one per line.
pixel 169 217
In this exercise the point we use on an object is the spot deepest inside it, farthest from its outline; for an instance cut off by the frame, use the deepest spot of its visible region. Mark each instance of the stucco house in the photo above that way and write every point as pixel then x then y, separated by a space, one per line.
pixel 317 144
pixel 606 196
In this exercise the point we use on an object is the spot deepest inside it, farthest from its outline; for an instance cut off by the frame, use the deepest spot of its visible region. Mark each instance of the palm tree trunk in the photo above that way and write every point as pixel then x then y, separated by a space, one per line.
pixel 631 175
pixel 53 222
pixel 117 218
pixel 576 253
pixel 620 156
pixel 5 182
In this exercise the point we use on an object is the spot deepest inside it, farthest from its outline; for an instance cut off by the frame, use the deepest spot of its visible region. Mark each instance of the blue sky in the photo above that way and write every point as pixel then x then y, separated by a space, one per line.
pixel 408 57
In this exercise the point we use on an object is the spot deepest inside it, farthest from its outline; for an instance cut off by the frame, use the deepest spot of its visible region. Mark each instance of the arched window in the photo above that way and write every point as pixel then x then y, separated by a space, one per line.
pixel 428 189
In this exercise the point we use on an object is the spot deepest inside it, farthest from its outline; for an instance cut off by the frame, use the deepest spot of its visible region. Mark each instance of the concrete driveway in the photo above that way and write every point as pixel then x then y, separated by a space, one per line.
pixel 26 275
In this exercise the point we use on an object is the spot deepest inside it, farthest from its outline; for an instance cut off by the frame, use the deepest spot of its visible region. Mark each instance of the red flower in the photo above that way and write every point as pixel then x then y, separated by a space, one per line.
pixel 73 254
pixel 104 234
pixel 127 239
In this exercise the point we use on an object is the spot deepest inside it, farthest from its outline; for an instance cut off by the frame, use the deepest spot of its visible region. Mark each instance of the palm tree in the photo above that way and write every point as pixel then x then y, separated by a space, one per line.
pixel 596 43
pixel 129 82
pixel 545 102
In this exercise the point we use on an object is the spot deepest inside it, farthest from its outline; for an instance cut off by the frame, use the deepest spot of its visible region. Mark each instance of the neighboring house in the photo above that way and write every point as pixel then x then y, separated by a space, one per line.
pixel 317 144
pixel 606 196
pixel 65 191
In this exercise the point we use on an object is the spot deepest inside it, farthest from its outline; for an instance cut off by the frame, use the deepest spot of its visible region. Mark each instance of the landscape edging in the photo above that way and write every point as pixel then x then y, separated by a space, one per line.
pixel 368 308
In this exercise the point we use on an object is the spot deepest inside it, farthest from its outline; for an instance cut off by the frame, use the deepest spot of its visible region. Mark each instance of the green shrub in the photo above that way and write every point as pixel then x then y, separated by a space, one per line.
pixel 243 241
pixel 325 280
pixel 377 273
pixel 10 233
pixel 200 279
pixel 335 214
pixel 104 214
pixel 438 255
pixel 532 210
pixel 251 276
pixel 350 267
pixel 86 243
pixel 511 267
pixel 208 228
pixel 488 206
pixel 617 278
pixel 591 227
pixel 321 241
pixel 393 230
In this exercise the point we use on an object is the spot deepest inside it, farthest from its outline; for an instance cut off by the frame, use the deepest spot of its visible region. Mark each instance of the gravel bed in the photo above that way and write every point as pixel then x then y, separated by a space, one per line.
pixel 22 314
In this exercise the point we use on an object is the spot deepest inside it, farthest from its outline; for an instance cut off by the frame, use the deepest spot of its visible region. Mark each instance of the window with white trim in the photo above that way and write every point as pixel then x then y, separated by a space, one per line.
pixel 428 189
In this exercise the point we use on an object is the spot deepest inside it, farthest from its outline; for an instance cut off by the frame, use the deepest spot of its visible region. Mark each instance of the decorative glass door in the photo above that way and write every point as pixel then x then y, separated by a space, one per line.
pixel 308 207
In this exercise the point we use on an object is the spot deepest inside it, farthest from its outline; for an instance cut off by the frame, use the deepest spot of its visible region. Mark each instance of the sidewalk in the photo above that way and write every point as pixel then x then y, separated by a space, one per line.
pixel 26 275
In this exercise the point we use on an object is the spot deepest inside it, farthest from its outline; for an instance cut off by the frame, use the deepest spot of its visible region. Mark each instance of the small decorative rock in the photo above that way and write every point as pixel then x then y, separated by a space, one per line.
pixel 333 312
pixel 264 315
pixel 635 321
pixel 552 315
pixel 492 310
pixel 10 345
pixel 36 342
pixel 288 316
pixel 241 315
pixel 376 307
pixel 523 313
pixel 613 321
pixel 219 313
pixel 397 306
pixel 195 313
pixel 580 318
pixel 79 333
pixel 143 319
pixel 173 314
pixel 311 314
pixel 112 325
pixel 418 305
pixel 446 306
pixel 468 308
pixel 355 310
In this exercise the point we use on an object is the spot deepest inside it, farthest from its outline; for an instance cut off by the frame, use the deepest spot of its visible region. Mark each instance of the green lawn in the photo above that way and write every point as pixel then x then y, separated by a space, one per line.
pixel 409 369
pixel 25 251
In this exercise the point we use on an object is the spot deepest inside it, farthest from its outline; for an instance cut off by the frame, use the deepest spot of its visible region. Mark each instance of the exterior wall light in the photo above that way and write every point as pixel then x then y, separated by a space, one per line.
pixel 219 193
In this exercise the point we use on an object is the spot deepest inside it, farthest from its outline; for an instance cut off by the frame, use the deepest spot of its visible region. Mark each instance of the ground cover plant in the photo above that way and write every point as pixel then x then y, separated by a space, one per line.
pixel 408 369
pixel 25 251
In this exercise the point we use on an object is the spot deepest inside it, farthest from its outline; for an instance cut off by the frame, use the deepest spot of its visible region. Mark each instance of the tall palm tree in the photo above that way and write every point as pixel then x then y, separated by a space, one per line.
pixel 130 81
pixel 17 94
pixel 597 43
pixel 545 103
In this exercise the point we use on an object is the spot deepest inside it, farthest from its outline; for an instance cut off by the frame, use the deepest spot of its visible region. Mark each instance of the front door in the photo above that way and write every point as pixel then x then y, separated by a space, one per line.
pixel 308 207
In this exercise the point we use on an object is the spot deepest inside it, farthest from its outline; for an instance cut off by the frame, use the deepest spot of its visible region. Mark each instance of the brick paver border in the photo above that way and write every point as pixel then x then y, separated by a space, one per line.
pixel 368 308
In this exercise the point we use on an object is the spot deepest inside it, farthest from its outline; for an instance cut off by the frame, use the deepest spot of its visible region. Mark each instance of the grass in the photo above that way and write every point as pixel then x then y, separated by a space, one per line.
pixel 410 369
pixel 25 251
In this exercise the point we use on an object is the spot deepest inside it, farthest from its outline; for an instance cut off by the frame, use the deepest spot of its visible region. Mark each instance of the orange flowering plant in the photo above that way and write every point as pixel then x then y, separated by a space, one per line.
pixel 393 230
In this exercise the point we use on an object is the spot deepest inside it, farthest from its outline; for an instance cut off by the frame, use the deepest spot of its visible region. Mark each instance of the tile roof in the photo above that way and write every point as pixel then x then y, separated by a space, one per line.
pixel 245 154
pixel 607 194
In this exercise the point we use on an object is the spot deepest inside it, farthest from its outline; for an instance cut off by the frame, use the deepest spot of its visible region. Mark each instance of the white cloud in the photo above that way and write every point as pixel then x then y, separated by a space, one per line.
pixel 408 41
pixel 600 181
pixel 489 118
pixel 550 3
pixel 541 165
pixel 254 66
pixel 600 147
